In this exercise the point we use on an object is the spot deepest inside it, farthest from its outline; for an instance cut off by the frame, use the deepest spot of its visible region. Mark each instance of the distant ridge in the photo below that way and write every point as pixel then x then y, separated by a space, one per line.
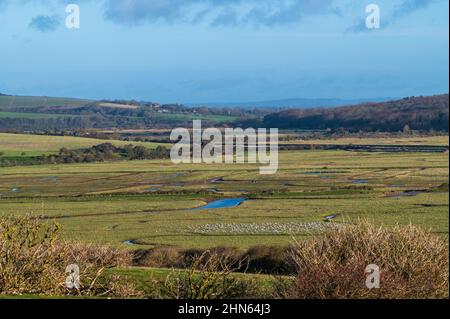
pixel 410 113
pixel 290 103
pixel 19 102
pixel 13 101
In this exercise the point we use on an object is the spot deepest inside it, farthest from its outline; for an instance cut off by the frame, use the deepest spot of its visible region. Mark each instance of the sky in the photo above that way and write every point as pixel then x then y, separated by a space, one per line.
pixel 194 51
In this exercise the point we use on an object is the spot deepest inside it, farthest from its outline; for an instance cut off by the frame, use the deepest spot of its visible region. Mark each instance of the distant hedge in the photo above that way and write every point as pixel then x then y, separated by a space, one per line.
pixel 98 153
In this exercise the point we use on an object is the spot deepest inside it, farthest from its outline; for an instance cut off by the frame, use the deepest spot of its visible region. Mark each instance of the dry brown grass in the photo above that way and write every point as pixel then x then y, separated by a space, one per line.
pixel 413 262
pixel 34 261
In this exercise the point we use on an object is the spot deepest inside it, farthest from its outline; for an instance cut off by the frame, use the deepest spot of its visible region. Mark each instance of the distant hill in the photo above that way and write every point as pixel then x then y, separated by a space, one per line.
pixel 290 103
pixel 30 113
pixel 417 113
pixel 14 102
pixel 42 114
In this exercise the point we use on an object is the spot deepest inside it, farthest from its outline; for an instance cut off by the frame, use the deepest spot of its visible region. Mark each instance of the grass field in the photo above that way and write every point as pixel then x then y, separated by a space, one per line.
pixel 190 117
pixel 35 145
pixel 144 278
pixel 149 202
pixel 415 140
pixel 31 116
pixel 11 102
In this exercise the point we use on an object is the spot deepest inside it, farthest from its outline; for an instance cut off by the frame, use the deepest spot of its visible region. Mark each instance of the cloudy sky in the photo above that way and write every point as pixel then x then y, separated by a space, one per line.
pixel 224 50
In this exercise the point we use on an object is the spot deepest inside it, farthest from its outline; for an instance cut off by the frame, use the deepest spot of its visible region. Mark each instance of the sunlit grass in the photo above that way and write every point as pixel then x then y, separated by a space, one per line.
pixel 150 201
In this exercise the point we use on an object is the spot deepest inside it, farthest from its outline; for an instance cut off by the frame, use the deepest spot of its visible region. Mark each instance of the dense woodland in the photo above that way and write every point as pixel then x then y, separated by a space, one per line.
pixel 412 113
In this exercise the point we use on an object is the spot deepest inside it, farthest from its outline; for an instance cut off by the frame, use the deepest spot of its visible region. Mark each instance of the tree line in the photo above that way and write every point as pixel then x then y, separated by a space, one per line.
pixel 98 153
pixel 429 113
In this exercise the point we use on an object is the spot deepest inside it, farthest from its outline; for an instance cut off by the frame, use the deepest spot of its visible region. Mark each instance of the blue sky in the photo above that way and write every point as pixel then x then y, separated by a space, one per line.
pixel 224 50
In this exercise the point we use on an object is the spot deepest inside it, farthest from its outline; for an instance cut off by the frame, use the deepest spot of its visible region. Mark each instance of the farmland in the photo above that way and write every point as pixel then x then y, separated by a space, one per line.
pixel 190 117
pixel 35 145
pixel 246 150
pixel 146 204
pixel 438 140
pixel 31 102
pixel 32 116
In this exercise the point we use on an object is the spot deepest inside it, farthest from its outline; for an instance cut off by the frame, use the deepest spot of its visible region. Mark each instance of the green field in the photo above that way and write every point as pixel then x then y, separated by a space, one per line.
pixel 31 116
pixel 439 140
pixel 35 145
pixel 190 117
pixel 149 202
pixel 12 102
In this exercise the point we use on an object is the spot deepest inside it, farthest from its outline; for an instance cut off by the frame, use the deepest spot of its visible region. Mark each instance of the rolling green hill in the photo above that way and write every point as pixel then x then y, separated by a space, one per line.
pixel 31 116
pixel 11 102
pixel 40 114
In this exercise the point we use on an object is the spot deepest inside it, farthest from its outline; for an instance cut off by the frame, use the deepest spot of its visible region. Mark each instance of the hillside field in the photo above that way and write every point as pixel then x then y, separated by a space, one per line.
pixel 36 145
pixel 12 102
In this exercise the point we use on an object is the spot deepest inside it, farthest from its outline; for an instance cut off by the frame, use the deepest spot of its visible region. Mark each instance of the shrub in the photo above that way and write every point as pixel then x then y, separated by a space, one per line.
pixel 103 256
pixel 413 263
pixel 191 254
pixel 166 257
pixel 209 276
pixel 33 261
pixel 28 262
pixel 261 259
pixel 270 260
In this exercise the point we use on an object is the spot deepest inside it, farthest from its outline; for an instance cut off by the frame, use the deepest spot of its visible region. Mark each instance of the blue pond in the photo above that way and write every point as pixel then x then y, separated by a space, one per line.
pixel 360 181
pixel 223 203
